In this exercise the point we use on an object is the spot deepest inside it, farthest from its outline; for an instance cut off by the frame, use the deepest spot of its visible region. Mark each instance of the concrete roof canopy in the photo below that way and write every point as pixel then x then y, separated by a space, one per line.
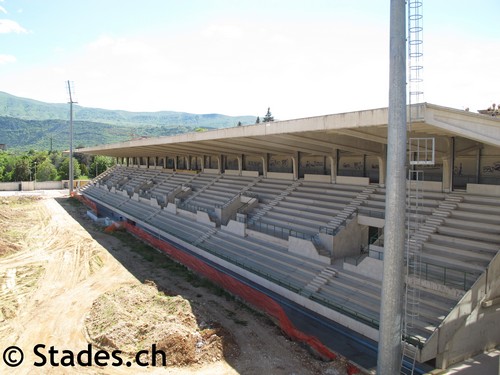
pixel 361 132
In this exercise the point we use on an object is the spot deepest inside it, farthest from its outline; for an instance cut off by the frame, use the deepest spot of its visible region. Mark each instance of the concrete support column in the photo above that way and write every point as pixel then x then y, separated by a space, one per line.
pixel 265 163
pixel 295 165
pixel 334 165
pixel 188 162
pixel 175 163
pixel 447 174
pixel 240 164
pixel 478 165
pixel 219 163
pixel 333 174
pixel 382 167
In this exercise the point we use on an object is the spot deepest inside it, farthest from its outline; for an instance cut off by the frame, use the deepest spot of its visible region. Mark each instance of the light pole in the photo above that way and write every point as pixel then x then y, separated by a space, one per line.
pixel 70 138
pixel 34 182
pixel 389 345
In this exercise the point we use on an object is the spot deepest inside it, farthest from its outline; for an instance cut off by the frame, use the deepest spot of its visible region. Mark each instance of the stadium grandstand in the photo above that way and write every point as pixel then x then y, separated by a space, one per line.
pixel 291 214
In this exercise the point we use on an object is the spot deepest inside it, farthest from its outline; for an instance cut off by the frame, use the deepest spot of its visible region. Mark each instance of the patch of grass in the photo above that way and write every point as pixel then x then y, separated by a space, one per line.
pixel 72 201
pixel 163 261
pixel 241 322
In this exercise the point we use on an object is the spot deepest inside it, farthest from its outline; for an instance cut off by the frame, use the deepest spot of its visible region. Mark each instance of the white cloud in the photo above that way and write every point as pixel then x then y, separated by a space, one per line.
pixel 9 26
pixel 2 9
pixel 5 59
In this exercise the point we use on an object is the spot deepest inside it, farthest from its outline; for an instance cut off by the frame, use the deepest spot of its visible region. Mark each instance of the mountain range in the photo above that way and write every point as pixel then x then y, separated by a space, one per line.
pixel 30 124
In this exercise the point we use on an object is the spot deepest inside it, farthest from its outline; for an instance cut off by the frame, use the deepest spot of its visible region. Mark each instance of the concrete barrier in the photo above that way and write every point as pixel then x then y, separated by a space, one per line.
pixel 349 180
pixel 318 177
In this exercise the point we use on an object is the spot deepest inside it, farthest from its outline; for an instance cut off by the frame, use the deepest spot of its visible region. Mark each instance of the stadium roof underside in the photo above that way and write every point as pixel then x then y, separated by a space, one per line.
pixel 361 132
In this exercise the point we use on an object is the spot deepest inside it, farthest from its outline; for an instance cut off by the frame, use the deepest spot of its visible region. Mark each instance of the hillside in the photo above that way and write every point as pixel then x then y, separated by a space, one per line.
pixel 28 109
pixel 27 123
pixel 23 135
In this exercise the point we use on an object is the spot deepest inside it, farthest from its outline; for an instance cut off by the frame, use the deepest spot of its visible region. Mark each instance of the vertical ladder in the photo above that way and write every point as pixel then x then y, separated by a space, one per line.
pixel 415 54
pixel 415 198
pixel 421 152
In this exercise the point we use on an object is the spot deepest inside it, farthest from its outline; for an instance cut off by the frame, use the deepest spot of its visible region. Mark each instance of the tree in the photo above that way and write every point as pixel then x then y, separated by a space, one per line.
pixel 22 170
pixel 82 158
pixel 7 164
pixel 46 171
pixel 64 169
pixel 258 120
pixel 56 158
pixel 268 117
pixel 84 169
pixel 100 164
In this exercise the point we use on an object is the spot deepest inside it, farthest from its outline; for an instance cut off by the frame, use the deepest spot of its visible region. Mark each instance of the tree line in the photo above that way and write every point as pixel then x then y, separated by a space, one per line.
pixel 50 166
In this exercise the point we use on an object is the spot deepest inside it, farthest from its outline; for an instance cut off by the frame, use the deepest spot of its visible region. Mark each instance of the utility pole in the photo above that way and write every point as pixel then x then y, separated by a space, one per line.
pixel 391 312
pixel 70 89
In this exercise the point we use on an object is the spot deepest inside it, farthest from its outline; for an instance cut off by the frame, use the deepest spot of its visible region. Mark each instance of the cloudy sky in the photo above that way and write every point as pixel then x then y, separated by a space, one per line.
pixel 238 57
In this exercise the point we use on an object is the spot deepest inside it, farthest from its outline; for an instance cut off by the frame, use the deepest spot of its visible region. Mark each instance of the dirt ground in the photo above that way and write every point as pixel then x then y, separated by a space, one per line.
pixel 55 263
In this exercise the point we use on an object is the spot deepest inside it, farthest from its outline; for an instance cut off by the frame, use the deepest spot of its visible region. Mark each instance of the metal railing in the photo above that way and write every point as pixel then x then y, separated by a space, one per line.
pixel 366 319
pixel 278 231
pixel 194 208
pixel 355 260
pixel 448 276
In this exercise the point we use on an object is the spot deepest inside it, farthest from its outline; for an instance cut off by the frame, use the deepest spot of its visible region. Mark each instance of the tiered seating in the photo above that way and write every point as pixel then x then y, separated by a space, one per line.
pixel 375 205
pixel 112 199
pixel 467 240
pixel 219 192
pixel 138 178
pixel 119 174
pixel 201 180
pixel 139 210
pixel 305 209
pixel 264 258
pixel 267 189
pixel 185 229
pixel 167 182
pixel 360 295
pixel 94 191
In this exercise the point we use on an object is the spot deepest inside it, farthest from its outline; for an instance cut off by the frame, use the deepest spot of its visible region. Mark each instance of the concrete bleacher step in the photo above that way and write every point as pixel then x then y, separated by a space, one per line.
pixel 473 225
pixel 469 234
pixel 432 258
pixel 349 296
pixel 321 279
pixel 263 258
pixel 468 255
pixel 256 217
pixel 491 248
pixel 205 236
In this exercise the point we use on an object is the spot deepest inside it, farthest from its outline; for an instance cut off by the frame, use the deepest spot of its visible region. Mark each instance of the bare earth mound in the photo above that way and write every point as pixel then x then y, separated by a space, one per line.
pixel 134 317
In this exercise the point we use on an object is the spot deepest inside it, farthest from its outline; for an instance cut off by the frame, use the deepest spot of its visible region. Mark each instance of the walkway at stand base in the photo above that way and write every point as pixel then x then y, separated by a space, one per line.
pixel 487 363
